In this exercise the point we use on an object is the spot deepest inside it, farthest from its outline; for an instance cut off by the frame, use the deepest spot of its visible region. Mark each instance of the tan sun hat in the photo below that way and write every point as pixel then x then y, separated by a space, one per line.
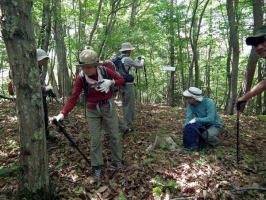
pixel 41 54
pixel 194 93
pixel 126 47
pixel 88 58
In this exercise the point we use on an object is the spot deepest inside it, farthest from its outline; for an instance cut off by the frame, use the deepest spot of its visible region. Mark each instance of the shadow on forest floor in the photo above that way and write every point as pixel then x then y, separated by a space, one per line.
pixel 157 174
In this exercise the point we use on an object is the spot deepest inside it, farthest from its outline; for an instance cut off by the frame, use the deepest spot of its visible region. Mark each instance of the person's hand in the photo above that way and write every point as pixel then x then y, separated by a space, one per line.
pixel 105 86
pixel 240 104
pixel 141 58
pixel 192 121
pixel 59 117
pixel 48 88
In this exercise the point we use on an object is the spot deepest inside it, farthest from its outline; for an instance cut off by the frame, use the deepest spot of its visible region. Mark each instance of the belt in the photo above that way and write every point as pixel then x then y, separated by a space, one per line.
pixel 106 101
pixel 102 102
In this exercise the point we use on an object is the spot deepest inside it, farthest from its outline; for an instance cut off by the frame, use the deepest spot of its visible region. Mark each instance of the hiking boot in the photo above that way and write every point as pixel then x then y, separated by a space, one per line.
pixel 97 171
pixel 51 137
pixel 119 165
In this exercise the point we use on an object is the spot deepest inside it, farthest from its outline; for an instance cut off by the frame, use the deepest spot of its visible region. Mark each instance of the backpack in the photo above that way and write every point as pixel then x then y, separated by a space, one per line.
pixel 120 68
pixel 192 137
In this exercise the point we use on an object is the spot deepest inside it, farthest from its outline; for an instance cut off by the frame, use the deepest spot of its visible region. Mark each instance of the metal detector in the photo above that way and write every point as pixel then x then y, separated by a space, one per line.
pixel 61 129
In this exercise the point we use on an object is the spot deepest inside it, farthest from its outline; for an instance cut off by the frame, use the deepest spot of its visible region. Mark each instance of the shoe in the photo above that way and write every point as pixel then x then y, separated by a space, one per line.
pixel 97 171
pixel 119 165
pixel 51 137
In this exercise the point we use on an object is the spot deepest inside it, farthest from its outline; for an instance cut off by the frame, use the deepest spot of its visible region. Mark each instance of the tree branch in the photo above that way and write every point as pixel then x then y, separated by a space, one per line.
pixel 248 188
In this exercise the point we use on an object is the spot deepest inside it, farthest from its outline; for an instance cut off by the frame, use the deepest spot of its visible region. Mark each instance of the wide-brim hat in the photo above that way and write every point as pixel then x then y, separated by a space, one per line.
pixel 88 58
pixel 126 47
pixel 259 37
pixel 194 93
pixel 41 54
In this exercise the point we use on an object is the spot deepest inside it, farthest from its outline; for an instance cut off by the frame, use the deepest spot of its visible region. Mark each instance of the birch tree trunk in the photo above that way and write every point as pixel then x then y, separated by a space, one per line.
pixel 18 35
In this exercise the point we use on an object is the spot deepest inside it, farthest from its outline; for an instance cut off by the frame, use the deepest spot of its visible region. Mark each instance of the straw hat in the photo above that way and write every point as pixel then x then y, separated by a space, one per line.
pixel 88 58
pixel 126 47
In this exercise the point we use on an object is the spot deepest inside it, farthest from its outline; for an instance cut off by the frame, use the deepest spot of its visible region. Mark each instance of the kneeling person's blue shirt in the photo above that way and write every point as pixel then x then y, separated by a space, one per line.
pixel 204 112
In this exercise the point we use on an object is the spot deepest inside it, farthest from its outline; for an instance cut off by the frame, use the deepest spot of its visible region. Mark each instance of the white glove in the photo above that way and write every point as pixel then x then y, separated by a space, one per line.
pixel 48 87
pixel 105 86
pixel 59 117
pixel 192 121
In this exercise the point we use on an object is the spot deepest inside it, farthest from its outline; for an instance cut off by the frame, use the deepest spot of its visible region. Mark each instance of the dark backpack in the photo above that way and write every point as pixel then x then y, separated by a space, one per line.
pixel 120 68
pixel 192 137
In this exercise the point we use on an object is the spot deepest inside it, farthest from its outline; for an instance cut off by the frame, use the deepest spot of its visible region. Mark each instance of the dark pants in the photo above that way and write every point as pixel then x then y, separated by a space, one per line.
pixel 46 120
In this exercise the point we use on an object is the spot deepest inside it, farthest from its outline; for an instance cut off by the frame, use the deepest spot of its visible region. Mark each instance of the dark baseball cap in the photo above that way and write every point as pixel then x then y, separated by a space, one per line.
pixel 258 38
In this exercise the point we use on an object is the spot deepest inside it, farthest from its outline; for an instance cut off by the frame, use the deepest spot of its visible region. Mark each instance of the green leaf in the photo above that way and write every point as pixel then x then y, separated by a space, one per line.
pixel 157 191
pixel 5 171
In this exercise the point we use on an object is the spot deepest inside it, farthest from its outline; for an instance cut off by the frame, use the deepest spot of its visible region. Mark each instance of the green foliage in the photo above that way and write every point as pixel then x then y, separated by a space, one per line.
pixel 122 197
pixel 5 171
pixel 262 117
pixel 171 185
pixel 148 160
pixel 157 191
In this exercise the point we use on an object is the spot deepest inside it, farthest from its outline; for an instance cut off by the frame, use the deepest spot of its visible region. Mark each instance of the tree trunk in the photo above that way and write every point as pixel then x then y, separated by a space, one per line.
pixel 232 7
pixel 95 22
pixel 63 75
pixel 18 35
pixel 171 87
pixel 253 57
pixel 45 33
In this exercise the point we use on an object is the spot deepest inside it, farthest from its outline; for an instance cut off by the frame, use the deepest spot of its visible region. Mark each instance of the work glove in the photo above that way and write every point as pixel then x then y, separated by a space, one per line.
pixel 141 58
pixel 59 117
pixel 240 105
pixel 48 88
pixel 192 121
pixel 105 86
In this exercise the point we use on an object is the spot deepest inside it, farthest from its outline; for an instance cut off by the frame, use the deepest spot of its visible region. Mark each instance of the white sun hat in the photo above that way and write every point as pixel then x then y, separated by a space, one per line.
pixel 194 93
pixel 88 57
pixel 126 47
pixel 41 54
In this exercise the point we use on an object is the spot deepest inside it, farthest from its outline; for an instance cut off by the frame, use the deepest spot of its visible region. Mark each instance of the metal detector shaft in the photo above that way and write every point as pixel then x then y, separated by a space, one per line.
pixel 237 137
pixel 61 129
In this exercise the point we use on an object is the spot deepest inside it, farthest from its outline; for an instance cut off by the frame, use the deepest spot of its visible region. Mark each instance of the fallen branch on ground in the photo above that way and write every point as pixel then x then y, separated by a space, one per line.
pixel 248 188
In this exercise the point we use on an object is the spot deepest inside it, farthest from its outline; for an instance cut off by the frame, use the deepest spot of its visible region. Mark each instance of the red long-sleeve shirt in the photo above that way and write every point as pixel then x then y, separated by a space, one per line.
pixel 93 96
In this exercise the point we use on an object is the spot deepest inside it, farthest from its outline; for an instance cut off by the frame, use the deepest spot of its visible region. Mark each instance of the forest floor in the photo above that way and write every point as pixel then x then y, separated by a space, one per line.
pixel 158 174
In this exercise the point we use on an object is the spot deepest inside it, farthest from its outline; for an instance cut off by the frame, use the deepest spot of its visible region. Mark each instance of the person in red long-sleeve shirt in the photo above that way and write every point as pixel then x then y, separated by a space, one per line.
pixel 101 108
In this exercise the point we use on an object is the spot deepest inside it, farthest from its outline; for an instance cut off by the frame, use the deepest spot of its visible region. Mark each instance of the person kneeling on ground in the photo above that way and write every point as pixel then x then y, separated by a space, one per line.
pixel 201 114
pixel 100 106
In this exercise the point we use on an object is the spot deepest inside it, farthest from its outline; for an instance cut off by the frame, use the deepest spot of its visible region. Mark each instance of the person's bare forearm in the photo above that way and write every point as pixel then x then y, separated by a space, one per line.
pixel 257 89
